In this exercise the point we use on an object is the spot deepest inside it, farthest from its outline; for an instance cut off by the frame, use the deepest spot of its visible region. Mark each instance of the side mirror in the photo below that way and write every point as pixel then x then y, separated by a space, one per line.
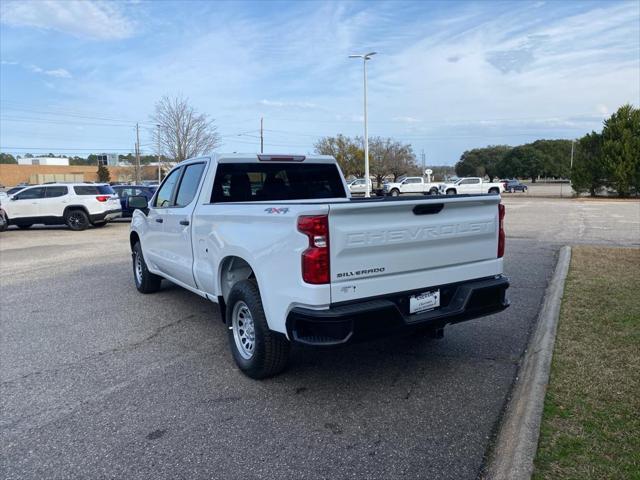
pixel 137 201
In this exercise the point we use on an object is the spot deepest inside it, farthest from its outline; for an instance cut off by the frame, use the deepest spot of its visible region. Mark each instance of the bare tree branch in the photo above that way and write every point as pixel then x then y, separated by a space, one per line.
pixel 182 132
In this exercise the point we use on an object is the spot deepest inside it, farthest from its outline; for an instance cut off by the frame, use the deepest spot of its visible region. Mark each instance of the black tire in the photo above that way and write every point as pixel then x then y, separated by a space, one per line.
pixel 270 350
pixel 494 191
pixel 24 226
pixel 99 224
pixel 4 222
pixel 451 191
pixel 146 282
pixel 434 191
pixel 395 192
pixel 77 220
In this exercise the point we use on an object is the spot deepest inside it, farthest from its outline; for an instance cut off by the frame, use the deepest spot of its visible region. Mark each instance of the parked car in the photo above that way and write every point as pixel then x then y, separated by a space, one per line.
pixel 358 186
pixel 415 185
pixel 77 205
pixel 126 191
pixel 290 258
pixel 514 186
pixel 471 186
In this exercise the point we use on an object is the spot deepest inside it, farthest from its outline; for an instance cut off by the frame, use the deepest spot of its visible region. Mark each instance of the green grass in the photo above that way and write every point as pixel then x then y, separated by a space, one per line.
pixel 591 423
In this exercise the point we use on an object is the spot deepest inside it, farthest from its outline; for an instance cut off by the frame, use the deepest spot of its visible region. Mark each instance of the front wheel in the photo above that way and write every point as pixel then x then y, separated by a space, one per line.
pixel 258 351
pixel 77 220
pixel 146 282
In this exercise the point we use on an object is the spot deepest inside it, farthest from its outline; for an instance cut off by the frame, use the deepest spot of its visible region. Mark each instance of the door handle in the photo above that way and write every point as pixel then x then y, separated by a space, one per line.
pixel 184 222
pixel 159 220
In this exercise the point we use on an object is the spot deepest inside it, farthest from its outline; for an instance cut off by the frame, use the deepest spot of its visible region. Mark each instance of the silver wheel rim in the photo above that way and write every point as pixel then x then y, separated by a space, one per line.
pixel 138 269
pixel 243 330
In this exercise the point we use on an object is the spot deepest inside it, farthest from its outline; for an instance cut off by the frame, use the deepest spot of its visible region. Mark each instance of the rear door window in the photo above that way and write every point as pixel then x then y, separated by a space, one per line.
pixel 247 182
pixel 52 192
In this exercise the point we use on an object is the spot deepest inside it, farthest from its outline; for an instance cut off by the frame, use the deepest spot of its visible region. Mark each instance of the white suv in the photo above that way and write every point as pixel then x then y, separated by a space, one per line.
pixel 77 205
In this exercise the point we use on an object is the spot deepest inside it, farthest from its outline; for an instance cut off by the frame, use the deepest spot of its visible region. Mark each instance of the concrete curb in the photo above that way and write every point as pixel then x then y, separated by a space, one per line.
pixel 517 440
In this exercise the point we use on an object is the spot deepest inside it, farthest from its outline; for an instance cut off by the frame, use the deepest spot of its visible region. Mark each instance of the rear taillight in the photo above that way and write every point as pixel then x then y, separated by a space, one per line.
pixel 103 198
pixel 315 259
pixel 501 238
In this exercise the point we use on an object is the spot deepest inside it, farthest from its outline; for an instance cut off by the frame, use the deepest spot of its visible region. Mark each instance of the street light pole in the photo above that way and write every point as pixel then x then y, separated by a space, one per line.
pixel 364 58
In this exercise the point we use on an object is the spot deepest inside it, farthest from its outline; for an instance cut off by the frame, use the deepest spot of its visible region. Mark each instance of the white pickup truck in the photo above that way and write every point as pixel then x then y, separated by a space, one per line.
pixel 471 186
pixel 415 185
pixel 279 244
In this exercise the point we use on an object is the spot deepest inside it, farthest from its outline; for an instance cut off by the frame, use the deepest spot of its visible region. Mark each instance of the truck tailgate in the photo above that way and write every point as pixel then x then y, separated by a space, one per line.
pixel 381 247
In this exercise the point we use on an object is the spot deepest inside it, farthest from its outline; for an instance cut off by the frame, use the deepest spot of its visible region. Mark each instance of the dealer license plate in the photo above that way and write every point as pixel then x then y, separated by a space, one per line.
pixel 424 301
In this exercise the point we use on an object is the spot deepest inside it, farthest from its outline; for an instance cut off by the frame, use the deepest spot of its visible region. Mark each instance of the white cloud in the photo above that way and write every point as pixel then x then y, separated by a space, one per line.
pixel 402 119
pixel 56 72
pixel 87 19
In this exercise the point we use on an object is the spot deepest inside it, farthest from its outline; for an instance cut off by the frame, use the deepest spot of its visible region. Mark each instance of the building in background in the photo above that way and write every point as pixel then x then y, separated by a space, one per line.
pixel 44 161
pixel 108 159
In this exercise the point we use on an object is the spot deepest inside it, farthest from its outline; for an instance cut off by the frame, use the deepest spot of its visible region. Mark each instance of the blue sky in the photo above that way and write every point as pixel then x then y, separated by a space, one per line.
pixel 449 76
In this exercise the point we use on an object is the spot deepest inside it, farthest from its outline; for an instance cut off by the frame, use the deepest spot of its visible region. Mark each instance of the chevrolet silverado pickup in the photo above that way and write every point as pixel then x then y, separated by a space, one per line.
pixel 471 185
pixel 414 185
pixel 278 243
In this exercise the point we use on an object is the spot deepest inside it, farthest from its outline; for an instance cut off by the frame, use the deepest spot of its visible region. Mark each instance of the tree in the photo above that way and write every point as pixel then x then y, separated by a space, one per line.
pixel 621 149
pixel 346 150
pixel 589 171
pixel 482 161
pixel 524 161
pixel 103 174
pixel 7 158
pixel 182 132
pixel 400 159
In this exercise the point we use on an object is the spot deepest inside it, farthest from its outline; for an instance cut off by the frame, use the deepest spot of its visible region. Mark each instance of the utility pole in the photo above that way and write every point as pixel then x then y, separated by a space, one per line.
pixel 261 135
pixel 137 170
pixel 423 163
pixel 159 169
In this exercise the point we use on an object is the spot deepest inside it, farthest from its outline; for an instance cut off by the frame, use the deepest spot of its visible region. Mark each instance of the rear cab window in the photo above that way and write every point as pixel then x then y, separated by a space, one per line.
pixel 255 182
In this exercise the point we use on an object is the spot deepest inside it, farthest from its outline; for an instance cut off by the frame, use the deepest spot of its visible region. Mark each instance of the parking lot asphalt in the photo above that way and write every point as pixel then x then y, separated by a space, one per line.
pixel 98 381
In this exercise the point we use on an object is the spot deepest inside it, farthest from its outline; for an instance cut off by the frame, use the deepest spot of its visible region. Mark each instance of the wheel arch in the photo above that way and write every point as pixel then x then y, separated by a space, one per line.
pixel 68 208
pixel 133 239
pixel 233 269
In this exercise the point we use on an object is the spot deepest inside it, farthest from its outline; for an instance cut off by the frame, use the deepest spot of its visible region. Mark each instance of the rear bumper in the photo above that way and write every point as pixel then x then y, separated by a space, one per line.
pixel 106 215
pixel 371 318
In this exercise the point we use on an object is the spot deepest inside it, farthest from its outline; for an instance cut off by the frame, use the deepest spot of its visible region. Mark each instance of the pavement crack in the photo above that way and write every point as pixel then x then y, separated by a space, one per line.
pixel 121 348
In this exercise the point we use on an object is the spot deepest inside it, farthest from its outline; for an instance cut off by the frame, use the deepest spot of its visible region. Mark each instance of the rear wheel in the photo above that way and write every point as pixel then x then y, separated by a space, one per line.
pixel 258 351
pixel 77 220
pixel 494 191
pixel 24 226
pixel 395 192
pixel 146 282
pixel 4 222
pixel 451 191
pixel 434 191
